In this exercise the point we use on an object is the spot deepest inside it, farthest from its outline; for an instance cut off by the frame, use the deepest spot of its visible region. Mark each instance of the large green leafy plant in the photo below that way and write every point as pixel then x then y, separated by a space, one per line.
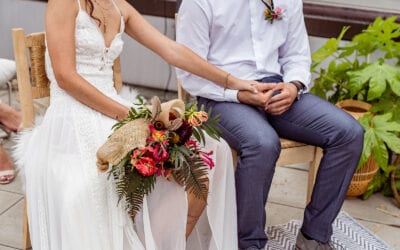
pixel 367 68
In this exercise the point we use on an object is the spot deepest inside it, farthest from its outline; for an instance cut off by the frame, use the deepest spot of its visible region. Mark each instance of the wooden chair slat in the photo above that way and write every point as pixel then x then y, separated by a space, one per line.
pixel 285 143
pixel 23 77
pixel 36 39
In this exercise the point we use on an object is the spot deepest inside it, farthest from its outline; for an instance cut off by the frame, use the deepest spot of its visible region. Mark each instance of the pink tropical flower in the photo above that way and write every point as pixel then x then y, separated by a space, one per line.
pixel 278 11
pixel 205 157
pixel 273 14
pixel 159 152
pixel 191 143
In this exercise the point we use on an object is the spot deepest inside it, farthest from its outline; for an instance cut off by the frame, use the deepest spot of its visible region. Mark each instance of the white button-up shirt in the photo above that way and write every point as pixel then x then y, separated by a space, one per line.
pixel 234 36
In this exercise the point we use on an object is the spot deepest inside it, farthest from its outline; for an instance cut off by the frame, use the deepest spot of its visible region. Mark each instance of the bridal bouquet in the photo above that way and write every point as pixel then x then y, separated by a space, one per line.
pixel 161 140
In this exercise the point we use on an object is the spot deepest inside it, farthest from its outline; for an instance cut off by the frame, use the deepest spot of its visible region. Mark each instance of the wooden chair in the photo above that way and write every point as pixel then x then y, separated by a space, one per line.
pixel 292 152
pixel 33 86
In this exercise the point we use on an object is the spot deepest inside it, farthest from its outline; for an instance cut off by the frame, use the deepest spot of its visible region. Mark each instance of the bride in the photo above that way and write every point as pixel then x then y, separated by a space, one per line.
pixel 71 206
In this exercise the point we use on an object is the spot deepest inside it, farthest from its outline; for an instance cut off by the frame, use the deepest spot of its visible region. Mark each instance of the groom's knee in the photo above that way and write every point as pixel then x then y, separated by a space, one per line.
pixel 262 148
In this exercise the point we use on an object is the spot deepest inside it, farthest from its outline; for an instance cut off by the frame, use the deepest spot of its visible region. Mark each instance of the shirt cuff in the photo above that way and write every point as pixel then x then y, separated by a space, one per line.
pixel 231 95
pixel 304 81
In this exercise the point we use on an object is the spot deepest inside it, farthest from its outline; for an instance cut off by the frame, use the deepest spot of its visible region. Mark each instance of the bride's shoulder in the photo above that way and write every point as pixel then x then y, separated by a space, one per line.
pixel 62 8
pixel 125 7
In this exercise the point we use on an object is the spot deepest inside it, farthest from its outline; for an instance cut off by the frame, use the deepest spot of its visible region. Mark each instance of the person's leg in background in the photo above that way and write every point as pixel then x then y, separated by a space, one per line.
pixel 10 121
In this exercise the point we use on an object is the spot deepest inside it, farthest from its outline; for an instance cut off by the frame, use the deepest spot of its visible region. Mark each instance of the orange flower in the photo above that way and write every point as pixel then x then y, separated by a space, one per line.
pixel 196 119
pixel 157 135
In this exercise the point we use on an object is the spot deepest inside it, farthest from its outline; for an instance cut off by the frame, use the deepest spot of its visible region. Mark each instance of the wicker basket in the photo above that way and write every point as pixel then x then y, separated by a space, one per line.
pixel 364 175
pixel 394 177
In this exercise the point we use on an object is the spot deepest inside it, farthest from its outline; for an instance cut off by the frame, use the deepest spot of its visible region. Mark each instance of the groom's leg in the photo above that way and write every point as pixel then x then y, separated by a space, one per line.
pixel 246 129
pixel 318 122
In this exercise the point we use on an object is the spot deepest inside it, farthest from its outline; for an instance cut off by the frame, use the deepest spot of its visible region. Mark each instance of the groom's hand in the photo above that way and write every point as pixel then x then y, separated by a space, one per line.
pixel 259 99
pixel 281 102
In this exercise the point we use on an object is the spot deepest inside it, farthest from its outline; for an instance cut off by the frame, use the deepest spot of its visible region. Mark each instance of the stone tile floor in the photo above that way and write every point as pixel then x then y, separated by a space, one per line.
pixel 286 200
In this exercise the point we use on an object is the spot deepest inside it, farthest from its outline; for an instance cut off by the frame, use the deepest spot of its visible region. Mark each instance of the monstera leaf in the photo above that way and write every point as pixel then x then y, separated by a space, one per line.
pixel 380 134
pixel 376 75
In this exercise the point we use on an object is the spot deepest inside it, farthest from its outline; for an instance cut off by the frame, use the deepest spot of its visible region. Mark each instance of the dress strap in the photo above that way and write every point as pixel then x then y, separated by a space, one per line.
pixel 116 7
pixel 79 4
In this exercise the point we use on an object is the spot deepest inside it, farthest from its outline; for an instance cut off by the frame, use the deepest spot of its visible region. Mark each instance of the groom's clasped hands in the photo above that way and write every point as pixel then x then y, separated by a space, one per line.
pixel 274 98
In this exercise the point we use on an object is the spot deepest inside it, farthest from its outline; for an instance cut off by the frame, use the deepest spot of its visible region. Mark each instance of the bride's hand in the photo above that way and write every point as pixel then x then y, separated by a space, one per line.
pixel 238 84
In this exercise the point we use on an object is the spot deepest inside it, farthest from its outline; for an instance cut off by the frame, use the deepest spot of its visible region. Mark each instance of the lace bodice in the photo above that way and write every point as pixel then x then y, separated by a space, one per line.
pixel 94 60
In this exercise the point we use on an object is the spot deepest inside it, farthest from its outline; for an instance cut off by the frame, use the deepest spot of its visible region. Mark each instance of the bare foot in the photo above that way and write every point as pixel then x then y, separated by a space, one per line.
pixel 5 164
pixel 9 117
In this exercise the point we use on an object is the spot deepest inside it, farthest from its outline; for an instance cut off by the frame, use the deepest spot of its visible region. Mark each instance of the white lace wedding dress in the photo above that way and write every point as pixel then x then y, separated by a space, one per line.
pixel 71 206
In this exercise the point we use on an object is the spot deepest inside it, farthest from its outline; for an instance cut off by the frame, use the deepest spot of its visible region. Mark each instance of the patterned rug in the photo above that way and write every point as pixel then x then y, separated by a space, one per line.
pixel 347 234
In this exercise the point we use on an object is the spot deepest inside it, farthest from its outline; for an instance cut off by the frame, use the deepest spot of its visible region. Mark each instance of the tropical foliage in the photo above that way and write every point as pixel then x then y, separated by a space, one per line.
pixel 367 68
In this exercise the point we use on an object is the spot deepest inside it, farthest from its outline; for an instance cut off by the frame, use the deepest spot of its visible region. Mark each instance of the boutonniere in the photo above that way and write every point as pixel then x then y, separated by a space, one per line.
pixel 271 13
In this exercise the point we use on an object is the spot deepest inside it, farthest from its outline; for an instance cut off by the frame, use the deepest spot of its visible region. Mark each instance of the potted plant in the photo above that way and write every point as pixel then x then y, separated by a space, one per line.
pixel 367 69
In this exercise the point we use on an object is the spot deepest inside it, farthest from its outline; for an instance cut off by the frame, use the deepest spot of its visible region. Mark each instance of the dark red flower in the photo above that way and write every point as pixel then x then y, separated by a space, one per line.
pixel 185 132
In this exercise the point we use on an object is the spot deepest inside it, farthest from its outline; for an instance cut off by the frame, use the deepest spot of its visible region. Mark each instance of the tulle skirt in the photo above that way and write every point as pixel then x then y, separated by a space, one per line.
pixel 72 206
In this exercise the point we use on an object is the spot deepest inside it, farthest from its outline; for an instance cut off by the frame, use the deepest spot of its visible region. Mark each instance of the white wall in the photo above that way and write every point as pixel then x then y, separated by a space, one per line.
pixel 18 14
pixel 139 65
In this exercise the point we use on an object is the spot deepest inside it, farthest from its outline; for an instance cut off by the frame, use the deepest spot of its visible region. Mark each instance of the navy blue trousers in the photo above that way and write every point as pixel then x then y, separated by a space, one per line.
pixel 254 134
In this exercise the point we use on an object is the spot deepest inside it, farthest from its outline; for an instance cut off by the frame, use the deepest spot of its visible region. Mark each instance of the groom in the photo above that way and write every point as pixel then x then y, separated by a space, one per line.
pixel 268 42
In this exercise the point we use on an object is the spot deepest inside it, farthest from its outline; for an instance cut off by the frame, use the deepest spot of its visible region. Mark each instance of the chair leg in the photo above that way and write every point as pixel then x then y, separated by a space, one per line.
pixel 195 209
pixel 26 240
pixel 234 158
pixel 312 172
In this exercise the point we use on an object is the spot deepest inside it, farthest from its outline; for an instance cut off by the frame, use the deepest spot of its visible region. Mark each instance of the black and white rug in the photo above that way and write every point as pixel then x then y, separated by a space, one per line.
pixel 347 234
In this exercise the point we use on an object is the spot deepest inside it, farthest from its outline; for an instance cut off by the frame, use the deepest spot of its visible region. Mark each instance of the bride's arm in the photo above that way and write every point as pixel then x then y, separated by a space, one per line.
pixel 60 36
pixel 177 54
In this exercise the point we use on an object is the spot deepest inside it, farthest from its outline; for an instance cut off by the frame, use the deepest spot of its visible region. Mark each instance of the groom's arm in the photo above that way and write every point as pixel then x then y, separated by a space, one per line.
pixel 193 29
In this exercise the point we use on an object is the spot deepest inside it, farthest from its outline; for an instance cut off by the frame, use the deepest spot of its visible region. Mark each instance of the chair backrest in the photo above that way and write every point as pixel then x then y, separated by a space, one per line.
pixel 182 93
pixel 33 83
